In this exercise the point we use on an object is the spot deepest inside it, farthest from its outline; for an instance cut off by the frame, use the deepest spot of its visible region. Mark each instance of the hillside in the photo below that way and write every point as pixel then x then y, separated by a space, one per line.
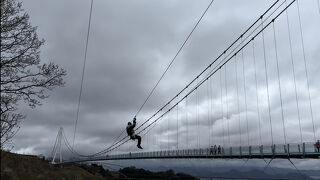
pixel 17 166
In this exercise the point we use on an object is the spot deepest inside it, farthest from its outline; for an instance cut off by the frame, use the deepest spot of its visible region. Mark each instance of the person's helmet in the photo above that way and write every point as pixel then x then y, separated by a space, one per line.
pixel 129 123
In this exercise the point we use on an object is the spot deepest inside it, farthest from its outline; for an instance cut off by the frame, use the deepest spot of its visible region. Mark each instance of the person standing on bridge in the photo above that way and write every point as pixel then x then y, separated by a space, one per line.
pixel 317 145
pixel 130 132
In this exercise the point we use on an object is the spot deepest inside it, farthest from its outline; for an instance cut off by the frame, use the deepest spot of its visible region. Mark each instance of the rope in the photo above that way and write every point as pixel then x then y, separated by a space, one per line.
pixel 174 58
pixel 256 83
pixel 279 83
pixel 267 83
pixel 82 77
pixel 306 71
pixel 294 75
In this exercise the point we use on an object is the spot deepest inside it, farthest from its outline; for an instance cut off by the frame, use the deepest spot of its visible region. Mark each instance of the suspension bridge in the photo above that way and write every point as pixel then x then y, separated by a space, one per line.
pixel 254 100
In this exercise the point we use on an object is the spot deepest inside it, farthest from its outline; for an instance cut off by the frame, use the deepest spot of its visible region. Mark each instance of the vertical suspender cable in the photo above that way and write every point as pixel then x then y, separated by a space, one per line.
pixel 256 85
pixel 211 116
pixel 279 84
pixel 267 83
pixel 294 74
pixel 222 121
pixel 227 109
pixel 197 114
pixel 208 118
pixel 177 126
pixel 306 71
pixel 82 77
pixel 237 84
pixel 245 95
pixel 187 140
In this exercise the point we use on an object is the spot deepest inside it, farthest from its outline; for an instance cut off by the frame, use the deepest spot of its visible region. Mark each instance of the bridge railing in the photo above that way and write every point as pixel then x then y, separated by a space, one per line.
pixel 293 149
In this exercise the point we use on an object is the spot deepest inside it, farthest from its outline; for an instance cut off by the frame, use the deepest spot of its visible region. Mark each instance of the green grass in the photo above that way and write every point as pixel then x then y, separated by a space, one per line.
pixel 16 166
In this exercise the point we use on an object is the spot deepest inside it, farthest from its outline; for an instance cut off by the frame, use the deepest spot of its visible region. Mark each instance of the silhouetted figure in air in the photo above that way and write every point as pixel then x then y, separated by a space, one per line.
pixel 130 132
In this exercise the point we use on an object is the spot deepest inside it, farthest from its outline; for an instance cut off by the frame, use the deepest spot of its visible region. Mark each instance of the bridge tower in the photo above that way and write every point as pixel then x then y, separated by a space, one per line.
pixel 57 147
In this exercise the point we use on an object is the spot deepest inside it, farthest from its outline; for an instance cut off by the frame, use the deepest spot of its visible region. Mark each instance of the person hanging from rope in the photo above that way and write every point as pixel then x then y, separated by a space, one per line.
pixel 130 132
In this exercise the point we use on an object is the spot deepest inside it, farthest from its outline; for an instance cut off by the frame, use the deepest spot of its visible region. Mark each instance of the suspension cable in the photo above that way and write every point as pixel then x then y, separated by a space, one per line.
pixel 306 71
pixel 238 104
pixel 174 58
pixel 82 76
pixel 256 85
pixel 245 95
pixel 222 117
pixel 294 74
pixel 279 84
pixel 211 73
pixel 267 83
pixel 227 105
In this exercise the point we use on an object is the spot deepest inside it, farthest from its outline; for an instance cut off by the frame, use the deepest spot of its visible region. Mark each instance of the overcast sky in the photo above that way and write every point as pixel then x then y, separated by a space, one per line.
pixel 132 42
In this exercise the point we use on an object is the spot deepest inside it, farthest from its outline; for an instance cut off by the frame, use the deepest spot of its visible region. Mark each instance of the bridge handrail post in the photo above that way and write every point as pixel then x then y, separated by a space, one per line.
pixel 303 149
pixel 250 151
pixel 230 153
pixel 288 149
pixel 240 149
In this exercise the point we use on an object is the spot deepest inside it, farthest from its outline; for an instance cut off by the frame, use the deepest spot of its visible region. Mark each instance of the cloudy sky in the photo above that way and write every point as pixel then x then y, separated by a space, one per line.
pixel 132 42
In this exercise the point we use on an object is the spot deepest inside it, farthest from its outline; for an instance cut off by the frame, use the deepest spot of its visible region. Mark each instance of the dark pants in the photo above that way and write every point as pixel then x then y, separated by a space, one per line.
pixel 134 137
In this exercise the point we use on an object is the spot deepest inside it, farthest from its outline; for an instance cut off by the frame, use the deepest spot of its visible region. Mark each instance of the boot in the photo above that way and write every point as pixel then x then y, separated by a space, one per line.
pixel 139 146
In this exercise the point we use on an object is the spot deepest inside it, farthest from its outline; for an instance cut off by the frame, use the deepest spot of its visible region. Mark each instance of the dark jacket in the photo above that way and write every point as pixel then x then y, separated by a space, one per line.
pixel 130 128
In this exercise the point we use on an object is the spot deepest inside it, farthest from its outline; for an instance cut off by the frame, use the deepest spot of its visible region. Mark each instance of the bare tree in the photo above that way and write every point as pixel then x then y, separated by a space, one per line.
pixel 23 78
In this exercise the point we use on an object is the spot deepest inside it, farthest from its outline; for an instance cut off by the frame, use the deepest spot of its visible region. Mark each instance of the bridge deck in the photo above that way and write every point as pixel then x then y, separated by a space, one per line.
pixel 250 152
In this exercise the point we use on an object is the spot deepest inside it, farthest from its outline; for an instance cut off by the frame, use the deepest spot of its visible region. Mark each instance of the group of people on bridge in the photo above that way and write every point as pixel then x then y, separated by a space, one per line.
pixel 214 149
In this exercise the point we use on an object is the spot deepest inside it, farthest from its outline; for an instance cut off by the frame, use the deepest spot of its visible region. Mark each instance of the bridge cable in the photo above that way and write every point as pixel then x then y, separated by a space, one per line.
pixel 279 84
pixel 187 135
pixel 245 94
pixel 211 111
pixel 197 116
pixel 256 86
pixel 209 66
pixel 107 150
pixel 208 118
pixel 183 44
pixel 177 126
pixel 238 104
pixel 294 74
pixel 227 104
pixel 221 95
pixel 167 68
pixel 306 71
pixel 220 65
pixel 82 76
pixel 267 82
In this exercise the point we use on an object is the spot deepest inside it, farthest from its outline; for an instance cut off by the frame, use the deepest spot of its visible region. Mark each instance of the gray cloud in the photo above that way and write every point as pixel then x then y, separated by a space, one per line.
pixel 130 45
